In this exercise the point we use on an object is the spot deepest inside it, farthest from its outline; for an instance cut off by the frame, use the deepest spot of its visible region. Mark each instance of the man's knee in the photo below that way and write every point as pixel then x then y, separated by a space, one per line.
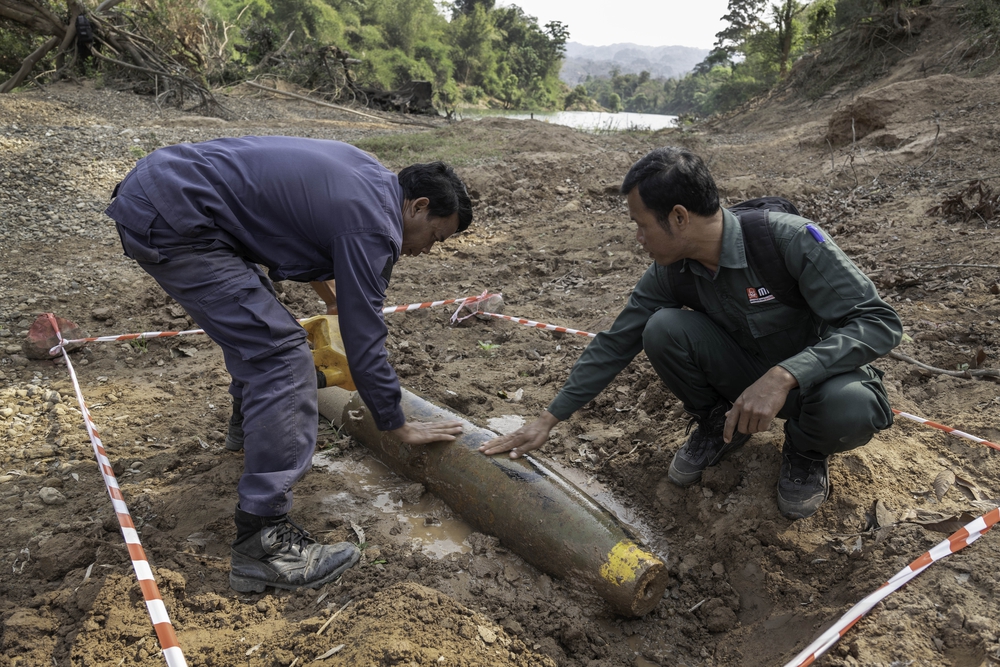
pixel 846 411
pixel 672 329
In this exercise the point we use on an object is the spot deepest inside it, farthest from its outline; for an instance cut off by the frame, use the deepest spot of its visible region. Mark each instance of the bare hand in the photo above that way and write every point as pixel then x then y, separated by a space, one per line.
pixel 523 440
pixel 757 406
pixel 424 433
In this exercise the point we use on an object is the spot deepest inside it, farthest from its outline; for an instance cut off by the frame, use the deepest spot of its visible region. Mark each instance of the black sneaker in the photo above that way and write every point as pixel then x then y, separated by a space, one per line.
pixel 273 551
pixel 234 436
pixel 803 483
pixel 704 447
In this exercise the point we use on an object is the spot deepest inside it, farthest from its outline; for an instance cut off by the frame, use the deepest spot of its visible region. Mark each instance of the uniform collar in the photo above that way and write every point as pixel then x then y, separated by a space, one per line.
pixel 733 255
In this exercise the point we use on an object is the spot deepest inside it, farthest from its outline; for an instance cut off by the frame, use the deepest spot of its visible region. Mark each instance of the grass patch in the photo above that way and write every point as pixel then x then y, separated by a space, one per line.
pixel 447 145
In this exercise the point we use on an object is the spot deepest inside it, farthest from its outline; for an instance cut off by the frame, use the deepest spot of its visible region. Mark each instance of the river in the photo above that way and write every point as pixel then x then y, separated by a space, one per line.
pixel 591 121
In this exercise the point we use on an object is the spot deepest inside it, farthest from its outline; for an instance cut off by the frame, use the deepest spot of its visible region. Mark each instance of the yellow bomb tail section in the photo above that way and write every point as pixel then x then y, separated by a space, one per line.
pixel 328 350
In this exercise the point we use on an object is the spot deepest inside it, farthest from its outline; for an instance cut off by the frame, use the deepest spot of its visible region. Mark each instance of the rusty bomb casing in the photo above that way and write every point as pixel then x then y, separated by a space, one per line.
pixel 535 512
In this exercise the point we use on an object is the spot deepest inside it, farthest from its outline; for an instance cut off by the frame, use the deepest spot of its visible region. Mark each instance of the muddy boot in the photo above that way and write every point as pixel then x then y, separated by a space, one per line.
pixel 704 447
pixel 803 483
pixel 273 551
pixel 234 436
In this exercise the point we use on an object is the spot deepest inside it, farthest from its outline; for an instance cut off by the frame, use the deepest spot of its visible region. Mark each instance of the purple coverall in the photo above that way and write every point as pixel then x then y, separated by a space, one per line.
pixel 199 218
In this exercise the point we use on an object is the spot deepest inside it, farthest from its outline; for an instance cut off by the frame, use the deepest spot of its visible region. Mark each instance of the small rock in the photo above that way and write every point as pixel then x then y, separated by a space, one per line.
pixel 51 496
pixel 7 412
pixel 101 314
pixel 13 349
pixel 721 619
pixel 413 493
pixel 488 635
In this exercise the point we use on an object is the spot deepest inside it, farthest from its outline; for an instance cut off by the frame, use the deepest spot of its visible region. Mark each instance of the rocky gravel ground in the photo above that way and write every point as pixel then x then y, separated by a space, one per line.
pixel 747 587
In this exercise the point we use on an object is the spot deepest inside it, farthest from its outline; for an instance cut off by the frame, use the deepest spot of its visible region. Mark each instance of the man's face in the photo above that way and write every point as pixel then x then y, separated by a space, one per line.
pixel 661 244
pixel 421 231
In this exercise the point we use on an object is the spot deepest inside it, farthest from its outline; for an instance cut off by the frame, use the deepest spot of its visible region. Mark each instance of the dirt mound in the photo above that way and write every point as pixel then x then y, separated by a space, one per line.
pixel 428 628
pixel 527 136
pixel 858 120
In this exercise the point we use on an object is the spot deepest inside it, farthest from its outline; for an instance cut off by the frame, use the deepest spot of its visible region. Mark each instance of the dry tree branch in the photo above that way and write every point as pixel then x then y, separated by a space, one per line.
pixel 337 106
pixel 967 374
pixel 29 64
pixel 29 17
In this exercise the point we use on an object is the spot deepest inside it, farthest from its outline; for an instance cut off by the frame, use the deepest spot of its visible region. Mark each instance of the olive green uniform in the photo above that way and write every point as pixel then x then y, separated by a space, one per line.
pixel 702 357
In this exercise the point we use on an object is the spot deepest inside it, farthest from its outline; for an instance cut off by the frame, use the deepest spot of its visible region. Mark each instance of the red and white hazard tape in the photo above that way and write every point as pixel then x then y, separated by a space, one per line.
pixel 964 537
pixel 946 429
pixel 431 304
pixel 538 325
pixel 151 594
pixel 167 334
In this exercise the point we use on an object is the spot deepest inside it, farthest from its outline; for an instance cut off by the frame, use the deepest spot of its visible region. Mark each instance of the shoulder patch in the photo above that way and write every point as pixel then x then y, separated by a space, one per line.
pixel 816 234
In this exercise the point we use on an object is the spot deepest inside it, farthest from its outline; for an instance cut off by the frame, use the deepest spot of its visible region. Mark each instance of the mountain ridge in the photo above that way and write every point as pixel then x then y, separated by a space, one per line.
pixel 582 60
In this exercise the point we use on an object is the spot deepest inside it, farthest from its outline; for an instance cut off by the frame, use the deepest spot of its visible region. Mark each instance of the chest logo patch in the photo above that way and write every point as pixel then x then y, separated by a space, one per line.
pixel 759 295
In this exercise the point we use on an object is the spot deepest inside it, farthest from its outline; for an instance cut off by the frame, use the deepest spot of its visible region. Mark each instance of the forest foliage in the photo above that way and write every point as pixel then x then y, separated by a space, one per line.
pixel 471 50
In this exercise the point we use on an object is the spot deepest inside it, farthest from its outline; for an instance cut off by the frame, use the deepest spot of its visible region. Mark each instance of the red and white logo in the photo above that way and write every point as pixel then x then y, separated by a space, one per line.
pixel 759 295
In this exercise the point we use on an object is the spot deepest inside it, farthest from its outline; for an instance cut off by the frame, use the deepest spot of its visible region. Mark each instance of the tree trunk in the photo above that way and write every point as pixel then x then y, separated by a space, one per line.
pixel 75 10
pixel 28 64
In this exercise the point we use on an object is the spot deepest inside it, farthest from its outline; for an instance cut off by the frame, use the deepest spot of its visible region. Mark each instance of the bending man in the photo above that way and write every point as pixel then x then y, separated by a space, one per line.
pixel 200 218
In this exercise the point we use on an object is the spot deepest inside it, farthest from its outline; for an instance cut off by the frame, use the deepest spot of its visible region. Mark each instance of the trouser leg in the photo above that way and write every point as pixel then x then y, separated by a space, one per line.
pixel 701 364
pixel 267 355
pixel 698 361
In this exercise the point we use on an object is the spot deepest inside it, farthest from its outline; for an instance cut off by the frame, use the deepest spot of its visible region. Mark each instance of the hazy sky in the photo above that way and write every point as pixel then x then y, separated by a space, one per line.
pixel 646 22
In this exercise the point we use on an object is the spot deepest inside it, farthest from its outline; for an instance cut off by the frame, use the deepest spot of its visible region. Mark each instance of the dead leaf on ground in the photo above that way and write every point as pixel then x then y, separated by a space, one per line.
pixel 942 483
pixel 977 362
pixel 359 531
pixel 883 517
pixel 968 488
pixel 942 523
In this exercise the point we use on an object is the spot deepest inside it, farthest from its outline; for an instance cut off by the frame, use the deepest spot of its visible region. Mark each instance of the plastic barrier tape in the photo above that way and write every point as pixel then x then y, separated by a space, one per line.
pixel 150 593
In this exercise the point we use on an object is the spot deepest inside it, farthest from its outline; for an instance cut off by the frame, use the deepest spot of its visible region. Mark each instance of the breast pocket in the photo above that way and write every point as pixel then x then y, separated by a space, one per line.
pixel 781 332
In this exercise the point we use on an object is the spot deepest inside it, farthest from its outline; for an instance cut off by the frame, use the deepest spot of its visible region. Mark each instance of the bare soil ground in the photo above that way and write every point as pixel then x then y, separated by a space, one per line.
pixel 748 587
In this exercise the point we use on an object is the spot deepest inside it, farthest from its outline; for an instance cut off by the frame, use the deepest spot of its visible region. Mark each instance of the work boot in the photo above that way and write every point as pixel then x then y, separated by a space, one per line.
pixel 704 447
pixel 273 551
pixel 234 436
pixel 803 483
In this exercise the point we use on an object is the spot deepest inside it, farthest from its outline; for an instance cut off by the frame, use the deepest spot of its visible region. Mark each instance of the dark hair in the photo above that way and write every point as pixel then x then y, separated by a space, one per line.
pixel 442 186
pixel 670 176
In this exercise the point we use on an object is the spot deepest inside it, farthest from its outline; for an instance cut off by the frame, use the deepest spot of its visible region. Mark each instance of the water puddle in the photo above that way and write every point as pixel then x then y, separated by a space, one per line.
pixel 428 522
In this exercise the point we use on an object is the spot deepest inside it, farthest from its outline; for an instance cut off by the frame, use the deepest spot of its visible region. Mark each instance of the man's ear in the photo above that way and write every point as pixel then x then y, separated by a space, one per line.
pixel 681 216
pixel 421 204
